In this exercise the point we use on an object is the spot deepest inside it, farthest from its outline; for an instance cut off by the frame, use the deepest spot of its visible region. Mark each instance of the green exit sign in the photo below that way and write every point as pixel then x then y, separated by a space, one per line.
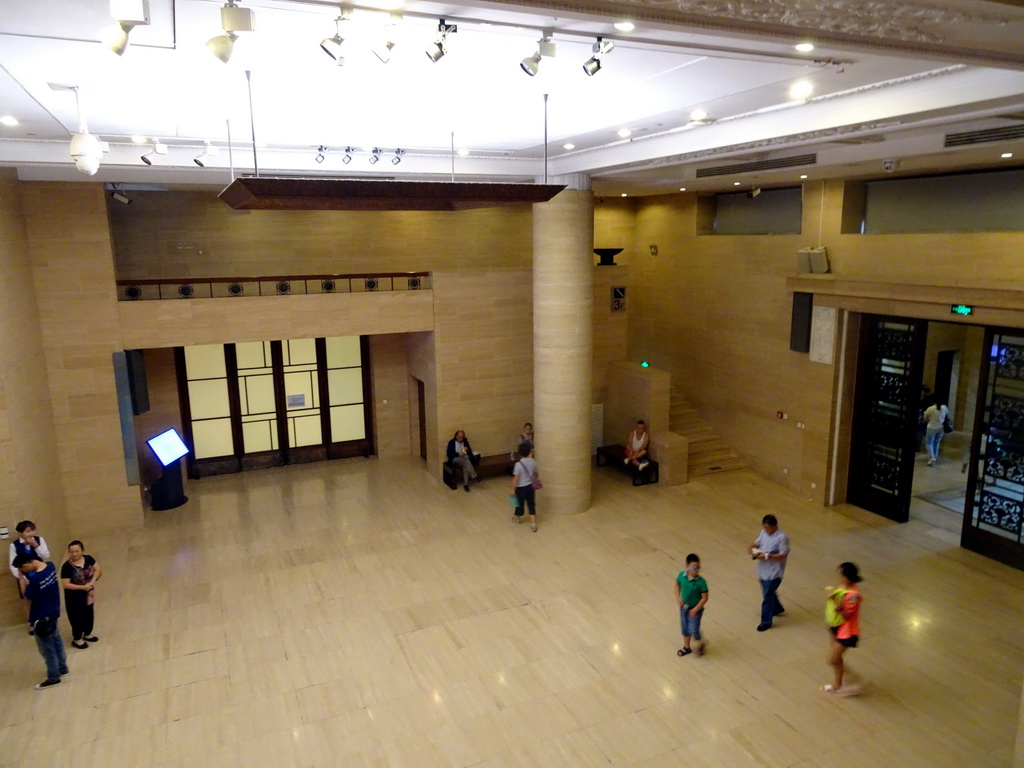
pixel 960 309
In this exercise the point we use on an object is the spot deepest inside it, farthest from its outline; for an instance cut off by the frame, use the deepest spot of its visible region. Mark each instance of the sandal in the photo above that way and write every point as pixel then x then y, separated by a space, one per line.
pixel 684 651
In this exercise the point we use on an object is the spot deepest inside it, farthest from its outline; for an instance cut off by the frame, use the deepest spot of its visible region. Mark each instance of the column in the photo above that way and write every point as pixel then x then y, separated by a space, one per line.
pixel 563 275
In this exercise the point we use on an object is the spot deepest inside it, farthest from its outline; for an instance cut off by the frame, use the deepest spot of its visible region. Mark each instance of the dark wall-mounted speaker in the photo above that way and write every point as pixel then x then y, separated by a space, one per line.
pixel 137 380
pixel 800 327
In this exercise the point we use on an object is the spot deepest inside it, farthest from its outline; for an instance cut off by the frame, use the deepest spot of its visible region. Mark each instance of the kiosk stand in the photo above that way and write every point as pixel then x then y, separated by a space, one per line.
pixel 168 492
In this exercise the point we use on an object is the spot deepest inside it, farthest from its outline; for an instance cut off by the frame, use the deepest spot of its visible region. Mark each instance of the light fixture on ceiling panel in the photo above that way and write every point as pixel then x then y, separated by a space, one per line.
pixel 545 47
pixel 347 157
pixel 332 45
pixel 437 49
pixel 321 153
pixel 375 156
pixel 601 48
pixel 128 14
pixel 233 19
pixel 624 26
pixel 117 193
pixel 208 151
pixel 398 156
pixel 9 120
pixel 157 149
pixel 801 89
pixel 383 51
pixel 804 47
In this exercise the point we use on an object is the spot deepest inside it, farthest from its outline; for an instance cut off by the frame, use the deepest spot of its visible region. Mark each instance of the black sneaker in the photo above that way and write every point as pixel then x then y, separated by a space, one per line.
pixel 47 684
pixel 763 627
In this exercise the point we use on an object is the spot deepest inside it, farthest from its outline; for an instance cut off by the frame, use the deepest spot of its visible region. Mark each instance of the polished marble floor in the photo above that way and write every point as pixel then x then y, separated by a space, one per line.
pixel 359 613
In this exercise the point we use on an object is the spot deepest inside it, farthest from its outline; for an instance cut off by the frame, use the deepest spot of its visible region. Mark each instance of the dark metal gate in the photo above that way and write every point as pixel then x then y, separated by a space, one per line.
pixel 885 417
pixel 995 498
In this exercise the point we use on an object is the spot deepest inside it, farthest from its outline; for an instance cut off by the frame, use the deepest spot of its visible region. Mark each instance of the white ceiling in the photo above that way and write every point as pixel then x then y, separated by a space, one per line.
pixel 889 79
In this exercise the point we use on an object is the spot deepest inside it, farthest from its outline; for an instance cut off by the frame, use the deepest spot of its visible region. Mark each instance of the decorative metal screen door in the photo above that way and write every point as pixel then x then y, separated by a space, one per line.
pixel 885 415
pixel 995 498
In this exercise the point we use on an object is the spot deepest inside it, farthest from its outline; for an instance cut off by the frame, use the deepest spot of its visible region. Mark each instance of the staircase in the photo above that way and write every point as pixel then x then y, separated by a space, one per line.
pixel 708 452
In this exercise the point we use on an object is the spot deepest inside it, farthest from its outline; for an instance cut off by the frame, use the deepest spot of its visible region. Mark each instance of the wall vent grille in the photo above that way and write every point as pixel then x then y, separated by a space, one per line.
pixel 966 138
pixel 758 165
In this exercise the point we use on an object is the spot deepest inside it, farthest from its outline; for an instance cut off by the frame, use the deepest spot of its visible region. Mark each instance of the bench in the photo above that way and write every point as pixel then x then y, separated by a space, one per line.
pixel 615 455
pixel 488 466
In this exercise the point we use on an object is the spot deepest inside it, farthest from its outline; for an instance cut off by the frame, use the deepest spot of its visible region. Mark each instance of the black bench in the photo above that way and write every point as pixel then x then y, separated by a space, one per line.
pixel 488 466
pixel 615 456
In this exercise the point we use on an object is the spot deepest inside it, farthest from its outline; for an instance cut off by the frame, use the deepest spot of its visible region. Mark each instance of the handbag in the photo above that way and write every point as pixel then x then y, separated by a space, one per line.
pixel 45 626
pixel 947 425
pixel 536 484
pixel 833 616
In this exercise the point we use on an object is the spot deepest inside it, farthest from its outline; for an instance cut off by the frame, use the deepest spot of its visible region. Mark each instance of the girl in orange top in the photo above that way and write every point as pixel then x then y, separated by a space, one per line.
pixel 847 634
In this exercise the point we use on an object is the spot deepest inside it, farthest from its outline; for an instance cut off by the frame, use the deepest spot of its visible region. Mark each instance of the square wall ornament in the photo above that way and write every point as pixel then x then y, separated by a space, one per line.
pixel 619 299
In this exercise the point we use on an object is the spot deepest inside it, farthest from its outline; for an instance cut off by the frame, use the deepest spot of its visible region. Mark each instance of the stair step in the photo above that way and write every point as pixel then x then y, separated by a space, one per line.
pixel 715 467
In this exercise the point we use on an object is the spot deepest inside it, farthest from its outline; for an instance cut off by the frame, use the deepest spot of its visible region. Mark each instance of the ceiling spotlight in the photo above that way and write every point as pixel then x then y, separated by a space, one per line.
pixel 1006 155
pixel 128 15
pixel 545 47
pixel 158 149
pixel 624 26
pixel 436 49
pixel 624 133
pixel 347 158
pixel 754 192
pixel 321 153
pixel 119 195
pixel 398 156
pixel 375 157
pixel 463 152
pixel 602 47
pixel 208 151
pixel 232 19
pixel 804 47
pixel 568 146
pixel 222 46
pixel 383 51
pixel 9 120
pixel 332 45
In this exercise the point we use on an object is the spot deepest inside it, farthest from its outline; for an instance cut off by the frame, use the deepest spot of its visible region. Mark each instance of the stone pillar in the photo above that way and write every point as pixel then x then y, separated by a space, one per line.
pixel 563 298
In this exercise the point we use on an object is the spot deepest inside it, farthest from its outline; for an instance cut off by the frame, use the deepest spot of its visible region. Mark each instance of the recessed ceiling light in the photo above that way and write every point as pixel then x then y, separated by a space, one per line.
pixel 140 140
pixel 463 152
pixel 625 26
pixel 568 146
pixel 1004 155
pixel 735 183
pixel 698 115
pixel 803 175
pixel 804 47
pixel 625 133
pixel 682 189
pixel 9 120
pixel 624 194
pixel 801 89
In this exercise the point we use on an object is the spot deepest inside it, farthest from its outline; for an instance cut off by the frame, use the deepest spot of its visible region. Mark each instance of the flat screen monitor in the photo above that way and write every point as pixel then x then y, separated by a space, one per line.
pixel 168 446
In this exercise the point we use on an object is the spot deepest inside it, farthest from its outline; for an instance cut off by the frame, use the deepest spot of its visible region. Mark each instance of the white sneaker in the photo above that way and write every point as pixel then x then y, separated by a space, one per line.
pixel 931 462
pixel 625 461
pixel 643 464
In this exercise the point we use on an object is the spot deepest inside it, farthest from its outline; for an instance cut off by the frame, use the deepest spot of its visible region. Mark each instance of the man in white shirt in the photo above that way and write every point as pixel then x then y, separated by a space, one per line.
pixel 771 550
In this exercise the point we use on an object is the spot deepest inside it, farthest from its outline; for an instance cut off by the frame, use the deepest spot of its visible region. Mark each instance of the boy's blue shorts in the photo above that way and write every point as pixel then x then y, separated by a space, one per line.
pixel 690 625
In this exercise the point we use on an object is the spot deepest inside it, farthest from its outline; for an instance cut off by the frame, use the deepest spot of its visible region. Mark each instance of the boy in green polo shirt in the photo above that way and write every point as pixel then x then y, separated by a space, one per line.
pixel 692 596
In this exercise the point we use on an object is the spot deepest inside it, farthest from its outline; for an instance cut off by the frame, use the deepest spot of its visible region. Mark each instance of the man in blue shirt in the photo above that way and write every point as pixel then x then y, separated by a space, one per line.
pixel 44 591
pixel 770 549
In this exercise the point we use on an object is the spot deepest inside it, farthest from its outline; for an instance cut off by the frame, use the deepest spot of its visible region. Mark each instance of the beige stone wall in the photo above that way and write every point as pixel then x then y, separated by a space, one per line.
pixel 73 277
pixel 615 227
pixel 193 234
pixel 29 466
pixel 389 364
pixel 483 357
pixel 611 329
pixel 635 393
pixel 169 323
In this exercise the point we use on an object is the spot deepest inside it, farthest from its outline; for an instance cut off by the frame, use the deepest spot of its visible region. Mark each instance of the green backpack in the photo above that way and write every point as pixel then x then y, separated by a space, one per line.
pixel 833 616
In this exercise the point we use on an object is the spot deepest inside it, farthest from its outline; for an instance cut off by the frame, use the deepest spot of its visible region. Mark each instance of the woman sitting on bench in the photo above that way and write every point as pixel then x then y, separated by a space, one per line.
pixel 461 455
pixel 636 446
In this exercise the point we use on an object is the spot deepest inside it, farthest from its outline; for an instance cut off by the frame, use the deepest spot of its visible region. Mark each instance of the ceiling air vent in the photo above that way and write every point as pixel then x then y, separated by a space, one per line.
pixel 966 138
pixel 758 165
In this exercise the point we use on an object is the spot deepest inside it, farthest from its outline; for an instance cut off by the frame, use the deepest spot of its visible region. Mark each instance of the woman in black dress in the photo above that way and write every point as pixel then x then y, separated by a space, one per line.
pixel 78 576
